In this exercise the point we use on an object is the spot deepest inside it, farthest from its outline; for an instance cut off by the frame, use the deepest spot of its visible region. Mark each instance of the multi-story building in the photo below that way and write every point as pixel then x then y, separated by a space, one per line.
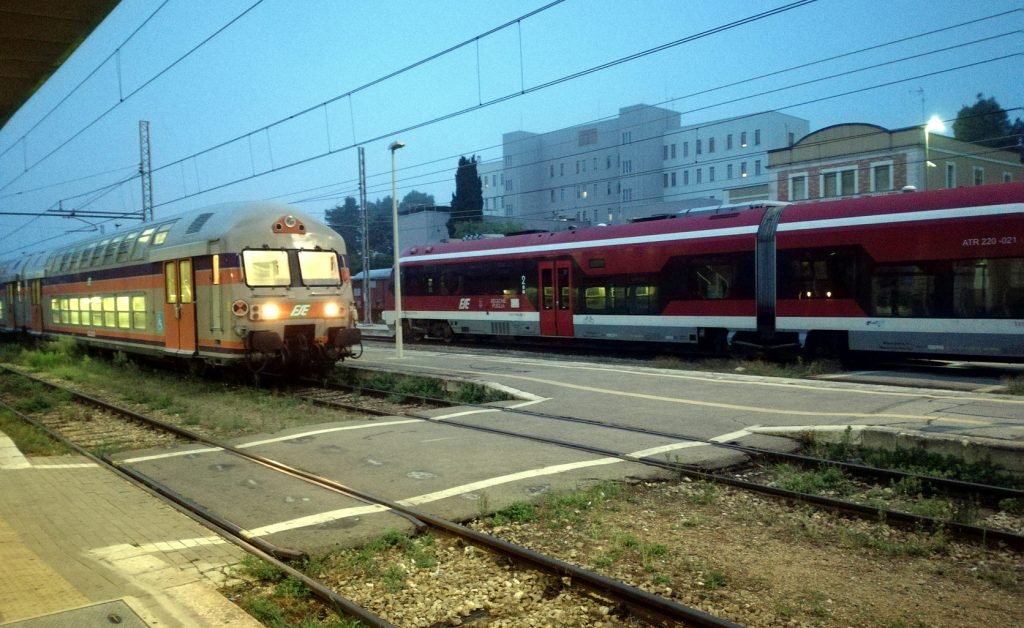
pixel 859 159
pixel 639 163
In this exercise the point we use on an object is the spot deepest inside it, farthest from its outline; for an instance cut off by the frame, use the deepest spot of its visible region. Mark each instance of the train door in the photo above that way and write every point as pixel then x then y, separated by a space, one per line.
pixel 179 307
pixel 36 304
pixel 556 298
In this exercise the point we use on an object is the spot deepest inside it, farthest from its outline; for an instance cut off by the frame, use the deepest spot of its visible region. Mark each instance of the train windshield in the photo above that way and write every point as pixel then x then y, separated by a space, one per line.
pixel 266 268
pixel 319 268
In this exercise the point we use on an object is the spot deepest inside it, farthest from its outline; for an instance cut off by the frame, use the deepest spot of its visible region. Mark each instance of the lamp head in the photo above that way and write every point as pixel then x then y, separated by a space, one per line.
pixel 396 145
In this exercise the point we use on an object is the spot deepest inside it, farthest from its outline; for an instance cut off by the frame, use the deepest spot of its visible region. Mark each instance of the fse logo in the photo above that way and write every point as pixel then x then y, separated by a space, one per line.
pixel 464 304
pixel 299 310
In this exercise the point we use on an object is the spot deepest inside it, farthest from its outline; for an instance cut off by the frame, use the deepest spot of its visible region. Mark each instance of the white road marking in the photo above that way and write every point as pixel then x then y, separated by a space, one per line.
pixel 175 454
pixel 455 491
pixel 653 451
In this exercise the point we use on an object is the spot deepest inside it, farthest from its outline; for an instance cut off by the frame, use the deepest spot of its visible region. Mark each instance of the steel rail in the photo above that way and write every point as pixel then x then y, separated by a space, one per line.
pixel 260 548
pixel 976 533
pixel 993 493
pixel 638 601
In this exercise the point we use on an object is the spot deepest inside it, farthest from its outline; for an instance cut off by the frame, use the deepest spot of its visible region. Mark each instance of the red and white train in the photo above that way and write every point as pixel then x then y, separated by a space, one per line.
pixel 936 273
pixel 259 284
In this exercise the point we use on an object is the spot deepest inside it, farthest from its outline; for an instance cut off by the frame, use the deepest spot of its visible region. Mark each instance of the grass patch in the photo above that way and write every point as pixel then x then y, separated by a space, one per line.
pixel 399 387
pixel 29 439
pixel 516 513
pixel 828 480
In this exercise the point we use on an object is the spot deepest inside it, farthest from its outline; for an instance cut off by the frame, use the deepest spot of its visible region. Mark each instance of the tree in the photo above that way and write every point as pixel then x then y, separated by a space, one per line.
pixel 468 200
pixel 347 220
pixel 986 123
pixel 464 229
pixel 416 198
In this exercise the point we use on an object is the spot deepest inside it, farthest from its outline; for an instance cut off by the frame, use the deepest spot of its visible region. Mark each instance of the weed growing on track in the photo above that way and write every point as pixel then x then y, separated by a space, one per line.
pixel 278 600
pixel 29 439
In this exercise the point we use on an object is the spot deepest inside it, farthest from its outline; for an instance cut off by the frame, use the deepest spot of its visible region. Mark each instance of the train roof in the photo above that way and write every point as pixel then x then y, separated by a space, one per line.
pixel 736 220
pixel 227 227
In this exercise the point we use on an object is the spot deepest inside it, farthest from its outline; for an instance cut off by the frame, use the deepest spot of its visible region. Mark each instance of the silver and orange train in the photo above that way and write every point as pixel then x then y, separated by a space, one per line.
pixel 257 284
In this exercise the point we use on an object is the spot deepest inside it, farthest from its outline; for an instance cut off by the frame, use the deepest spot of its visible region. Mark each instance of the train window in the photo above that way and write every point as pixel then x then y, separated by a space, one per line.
pixel 96 309
pixel 97 253
pixel 266 268
pixel 988 288
pixel 125 247
pixel 171 282
pixel 565 295
pixel 596 263
pixel 906 290
pixel 139 312
pixel 110 252
pixel 595 298
pixel 549 290
pixel 109 313
pixel 161 235
pixel 124 313
pixel 319 268
pixel 185 274
pixel 139 251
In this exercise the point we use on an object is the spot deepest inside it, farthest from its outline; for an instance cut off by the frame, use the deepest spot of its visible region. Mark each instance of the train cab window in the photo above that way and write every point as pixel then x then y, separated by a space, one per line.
pixel 319 268
pixel 139 250
pixel 266 268
pixel 124 248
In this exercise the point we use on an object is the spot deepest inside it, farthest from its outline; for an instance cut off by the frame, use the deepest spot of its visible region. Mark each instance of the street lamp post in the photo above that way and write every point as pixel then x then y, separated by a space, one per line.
pixel 398 251
pixel 934 124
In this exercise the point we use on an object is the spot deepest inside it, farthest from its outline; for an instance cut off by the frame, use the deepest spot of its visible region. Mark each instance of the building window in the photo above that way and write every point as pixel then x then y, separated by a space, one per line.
pixel 587 137
pixel 551 170
pixel 664 179
pixel 711 173
pixel 711 144
pixel 686 149
pixel 839 183
pixel 595 164
pixel 627 194
pixel 743 170
pixel 664 152
pixel 584 165
pixel 672 177
pixel 627 137
pixel 757 167
pixel 1007 177
pixel 950 175
pixel 979 176
pixel 728 171
pixel 686 177
pixel 672 152
pixel 698 176
pixel 757 137
pixel 743 139
pixel 699 147
pixel 881 177
pixel 798 187
pixel 609 188
pixel 792 138
pixel 561 169
pixel 608 162
pixel 552 195
pixel 627 166
pixel 728 142
pixel 577 166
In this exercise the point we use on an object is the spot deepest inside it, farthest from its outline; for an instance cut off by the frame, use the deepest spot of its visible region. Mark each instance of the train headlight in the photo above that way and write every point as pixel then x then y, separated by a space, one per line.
pixel 331 309
pixel 270 311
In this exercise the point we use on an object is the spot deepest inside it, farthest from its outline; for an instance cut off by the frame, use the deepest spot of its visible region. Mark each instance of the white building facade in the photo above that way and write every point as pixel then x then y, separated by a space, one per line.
pixel 640 163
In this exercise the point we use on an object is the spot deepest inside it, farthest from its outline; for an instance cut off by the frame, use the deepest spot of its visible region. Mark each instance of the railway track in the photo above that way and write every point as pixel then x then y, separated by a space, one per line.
pixel 972 493
pixel 633 601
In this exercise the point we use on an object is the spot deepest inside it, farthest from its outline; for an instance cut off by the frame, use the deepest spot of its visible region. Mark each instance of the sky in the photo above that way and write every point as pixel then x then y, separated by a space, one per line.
pixel 267 99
